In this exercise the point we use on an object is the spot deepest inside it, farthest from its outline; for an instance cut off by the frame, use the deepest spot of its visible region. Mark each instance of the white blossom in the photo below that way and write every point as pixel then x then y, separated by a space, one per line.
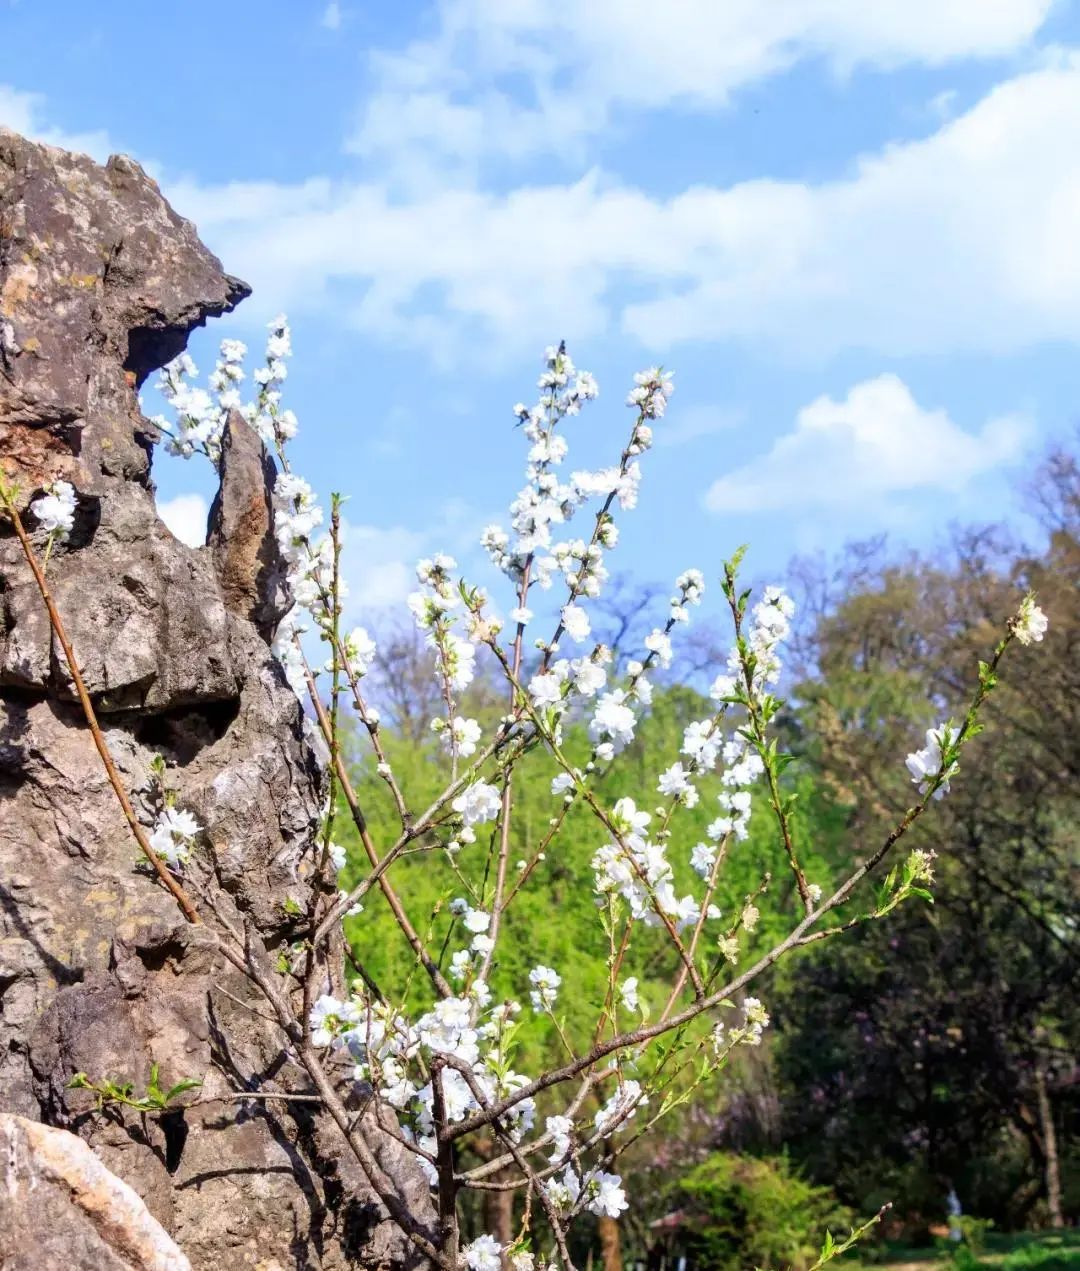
pixel 651 391
pixel 702 859
pixel 172 835
pixel 613 719
pixel 588 677
pixel 620 1107
pixel 545 990
pixel 606 1197
pixel 477 803
pixel 560 1129
pixel 674 781
pixel 360 650
pixel 476 920
pixel 545 689
pixel 1030 623
pixel 925 765
pixel 462 735
pixel 628 992
pixel 576 622
pixel 483 1254
pixel 55 510
pixel 331 1019
pixel 755 1020
pixel 659 642
pixel 691 584
pixel 563 1191
pixel 626 817
pixel 353 909
pixel 562 782
pixel 289 656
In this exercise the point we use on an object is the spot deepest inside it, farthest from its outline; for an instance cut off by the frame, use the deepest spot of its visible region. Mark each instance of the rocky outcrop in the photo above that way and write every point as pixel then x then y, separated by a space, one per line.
pixel 62 1210
pixel 241 518
pixel 101 283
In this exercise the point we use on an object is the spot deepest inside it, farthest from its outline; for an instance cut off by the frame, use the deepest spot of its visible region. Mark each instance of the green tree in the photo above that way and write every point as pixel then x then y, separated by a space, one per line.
pixel 941 1049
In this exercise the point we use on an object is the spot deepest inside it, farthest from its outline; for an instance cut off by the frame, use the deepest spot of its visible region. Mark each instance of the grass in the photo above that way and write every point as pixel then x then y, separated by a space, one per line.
pixel 1023 1251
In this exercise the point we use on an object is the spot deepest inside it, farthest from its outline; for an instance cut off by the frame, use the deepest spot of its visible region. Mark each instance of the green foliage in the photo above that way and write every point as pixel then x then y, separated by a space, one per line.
pixel 1060 1252
pixel 555 921
pixel 907 1050
pixel 975 1231
pixel 156 1098
pixel 746 1212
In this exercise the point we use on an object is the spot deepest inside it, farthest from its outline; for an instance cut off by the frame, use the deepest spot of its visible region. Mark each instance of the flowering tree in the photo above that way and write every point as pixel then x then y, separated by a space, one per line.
pixel 450 1070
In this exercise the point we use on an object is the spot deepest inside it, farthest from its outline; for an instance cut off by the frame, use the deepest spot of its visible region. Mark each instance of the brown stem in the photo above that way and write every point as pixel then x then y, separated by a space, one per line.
pixel 390 895
pixel 444 1165
pixel 498 902
pixel 249 963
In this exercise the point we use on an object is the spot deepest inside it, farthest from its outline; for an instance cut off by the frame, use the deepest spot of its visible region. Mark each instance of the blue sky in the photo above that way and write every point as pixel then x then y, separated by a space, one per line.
pixel 851 228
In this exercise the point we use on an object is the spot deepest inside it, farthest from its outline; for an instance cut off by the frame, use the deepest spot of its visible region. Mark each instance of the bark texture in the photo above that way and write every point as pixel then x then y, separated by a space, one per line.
pixel 101 282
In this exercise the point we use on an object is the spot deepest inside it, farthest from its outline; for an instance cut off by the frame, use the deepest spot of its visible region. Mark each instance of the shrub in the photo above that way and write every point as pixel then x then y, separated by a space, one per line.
pixel 743 1212
pixel 1047 1256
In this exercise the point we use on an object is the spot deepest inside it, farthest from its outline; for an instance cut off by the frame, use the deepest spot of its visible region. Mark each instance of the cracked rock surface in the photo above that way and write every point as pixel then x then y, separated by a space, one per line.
pixel 100 283
pixel 60 1207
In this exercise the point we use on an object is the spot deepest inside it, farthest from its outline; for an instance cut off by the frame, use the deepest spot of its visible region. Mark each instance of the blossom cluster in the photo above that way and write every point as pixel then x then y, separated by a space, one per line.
pixel 55 510
pixel 458 1054
pixel 200 416
pixel 639 871
pixel 173 836
pixel 439 611
pixel 598 1192
pixel 396 1056
pixel 530 552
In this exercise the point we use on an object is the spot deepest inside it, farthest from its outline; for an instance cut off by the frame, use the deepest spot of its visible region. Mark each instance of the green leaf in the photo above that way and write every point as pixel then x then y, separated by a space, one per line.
pixel 181 1087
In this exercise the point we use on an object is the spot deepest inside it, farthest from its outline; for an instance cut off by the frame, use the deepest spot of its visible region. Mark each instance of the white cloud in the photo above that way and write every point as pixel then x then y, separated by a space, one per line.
pixel 877 441
pixel 514 77
pixel 331 16
pixel 22 112
pixel 962 241
pixel 378 564
pixel 185 516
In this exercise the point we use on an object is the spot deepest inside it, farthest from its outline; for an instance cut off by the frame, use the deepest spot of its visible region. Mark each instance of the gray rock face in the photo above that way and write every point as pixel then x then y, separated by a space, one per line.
pixel 62 1210
pixel 100 283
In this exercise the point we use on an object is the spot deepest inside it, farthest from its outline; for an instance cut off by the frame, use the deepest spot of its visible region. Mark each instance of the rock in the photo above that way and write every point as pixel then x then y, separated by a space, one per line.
pixel 62 1210
pixel 245 552
pixel 100 283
